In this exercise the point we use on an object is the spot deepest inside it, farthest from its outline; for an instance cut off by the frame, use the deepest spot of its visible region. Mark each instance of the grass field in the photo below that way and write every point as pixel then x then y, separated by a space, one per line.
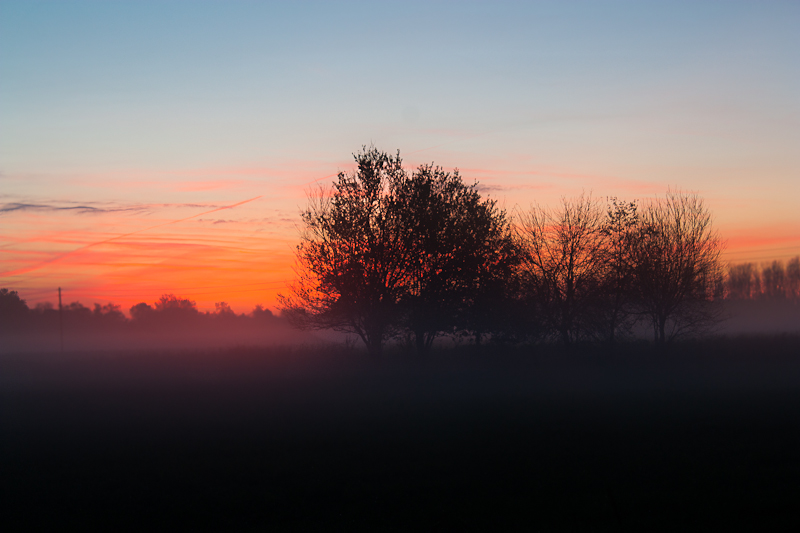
pixel 701 435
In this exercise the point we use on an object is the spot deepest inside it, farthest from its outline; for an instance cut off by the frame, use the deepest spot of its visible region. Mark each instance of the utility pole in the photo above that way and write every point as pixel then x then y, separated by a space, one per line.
pixel 61 319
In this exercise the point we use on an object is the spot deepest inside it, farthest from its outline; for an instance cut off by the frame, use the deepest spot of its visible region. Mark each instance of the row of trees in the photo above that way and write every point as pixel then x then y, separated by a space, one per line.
pixel 169 313
pixel 389 253
pixel 770 281
pixel 170 322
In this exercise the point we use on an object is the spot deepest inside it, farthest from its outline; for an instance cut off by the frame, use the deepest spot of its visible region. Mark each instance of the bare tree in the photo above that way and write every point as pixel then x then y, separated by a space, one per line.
pixel 678 271
pixel 352 266
pixel 616 307
pixel 793 278
pixel 562 264
pixel 743 282
pixel 773 280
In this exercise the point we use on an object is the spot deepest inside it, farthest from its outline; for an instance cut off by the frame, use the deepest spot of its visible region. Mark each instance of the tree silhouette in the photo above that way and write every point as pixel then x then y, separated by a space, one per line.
pixel 562 264
pixel 773 280
pixel 11 304
pixel 223 309
pixel 171 303
pixel 352 263
pixel 678 275
pixel 743 282
pixel 746 281
pixel 491 307
pixel 460 248
pixel 386 251
pixel 13 311
pixel 616 307
pixel 793 278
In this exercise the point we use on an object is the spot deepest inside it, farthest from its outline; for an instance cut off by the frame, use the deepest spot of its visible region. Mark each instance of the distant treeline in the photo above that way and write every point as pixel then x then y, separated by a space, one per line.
pixel 169 322
pixel 771 280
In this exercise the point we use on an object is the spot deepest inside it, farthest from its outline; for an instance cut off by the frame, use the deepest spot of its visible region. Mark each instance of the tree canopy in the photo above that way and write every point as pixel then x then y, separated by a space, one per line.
pixel 386 251
pixel 352 260
pixel 677 268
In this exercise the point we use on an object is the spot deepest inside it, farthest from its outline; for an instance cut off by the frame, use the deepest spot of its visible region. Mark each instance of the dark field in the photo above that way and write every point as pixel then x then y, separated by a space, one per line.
pixel 702 435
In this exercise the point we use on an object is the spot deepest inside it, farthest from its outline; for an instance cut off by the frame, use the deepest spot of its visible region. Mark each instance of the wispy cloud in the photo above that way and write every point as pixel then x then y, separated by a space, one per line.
pixel 61 256
pixel 485 188
pixel 79 208
pixel 98 208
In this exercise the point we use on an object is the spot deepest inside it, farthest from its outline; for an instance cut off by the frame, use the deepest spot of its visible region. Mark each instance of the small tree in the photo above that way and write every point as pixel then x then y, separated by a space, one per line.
pixel 743 282
pixel 223 309
pixel 11 305
pixel 14 312
pixel 562 264
pixel 678 273
pixel 793 278
pixel 773 280
pixel 169 303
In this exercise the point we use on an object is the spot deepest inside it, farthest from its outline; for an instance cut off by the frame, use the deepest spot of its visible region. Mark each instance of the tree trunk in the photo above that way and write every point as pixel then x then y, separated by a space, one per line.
pixel 374 342
pixel 564 335
pixel 421 345
pixel 660 329
pixel 655 328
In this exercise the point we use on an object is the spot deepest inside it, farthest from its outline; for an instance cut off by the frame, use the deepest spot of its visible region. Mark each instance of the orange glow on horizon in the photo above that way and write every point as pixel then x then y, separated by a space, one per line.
pixel 207 263
pixel 243 259
pixel 211 239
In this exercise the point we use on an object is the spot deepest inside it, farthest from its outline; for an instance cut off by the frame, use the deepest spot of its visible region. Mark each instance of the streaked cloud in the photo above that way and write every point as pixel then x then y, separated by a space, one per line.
pixel 82 209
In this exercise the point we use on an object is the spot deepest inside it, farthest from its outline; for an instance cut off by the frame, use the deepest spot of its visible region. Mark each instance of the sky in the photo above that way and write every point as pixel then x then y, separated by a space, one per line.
pixel 169 147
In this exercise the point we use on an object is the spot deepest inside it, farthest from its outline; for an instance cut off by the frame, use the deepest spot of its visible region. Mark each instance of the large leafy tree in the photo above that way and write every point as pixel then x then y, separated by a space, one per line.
pixel 385 251
pixel 352 263
pixel 460 247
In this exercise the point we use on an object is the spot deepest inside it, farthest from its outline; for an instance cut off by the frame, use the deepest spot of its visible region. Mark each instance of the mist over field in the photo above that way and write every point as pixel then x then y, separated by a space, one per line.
pixel 95 331
pixel 81 334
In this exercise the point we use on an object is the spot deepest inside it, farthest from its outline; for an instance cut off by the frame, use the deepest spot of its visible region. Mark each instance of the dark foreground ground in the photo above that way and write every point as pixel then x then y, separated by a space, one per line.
pixel 702 436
